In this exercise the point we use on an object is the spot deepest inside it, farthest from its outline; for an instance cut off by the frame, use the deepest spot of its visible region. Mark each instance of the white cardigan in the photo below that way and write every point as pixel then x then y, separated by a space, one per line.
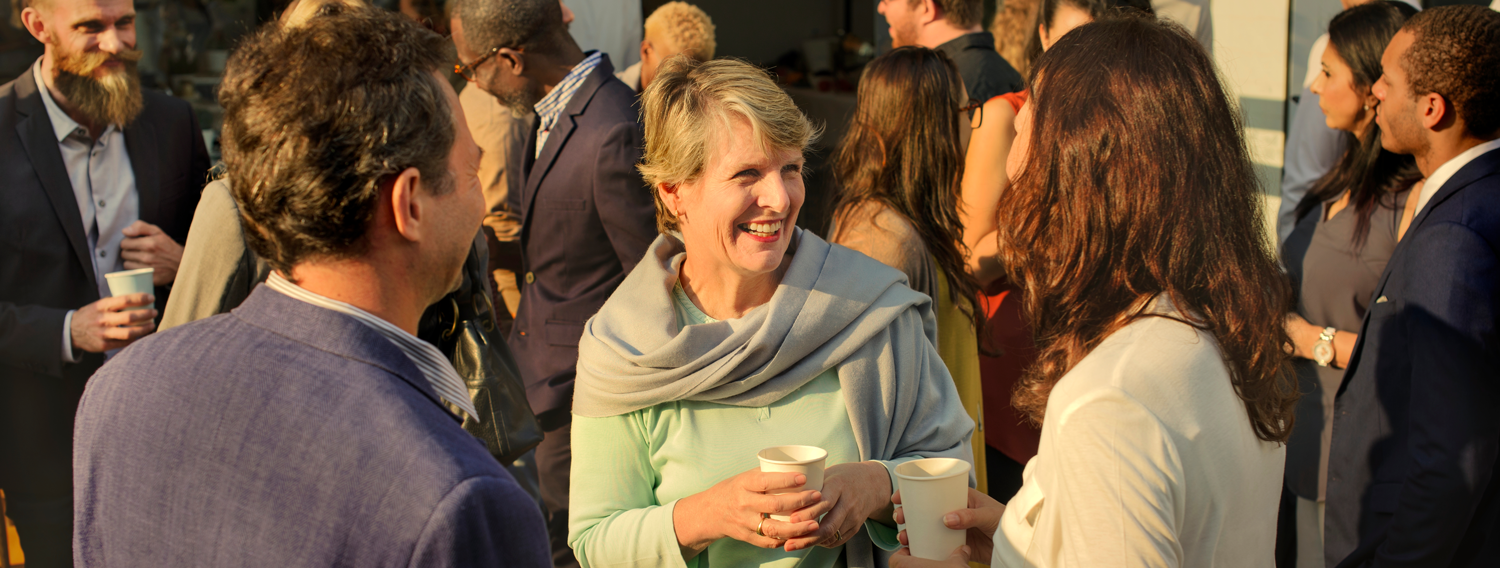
pixel 1147 458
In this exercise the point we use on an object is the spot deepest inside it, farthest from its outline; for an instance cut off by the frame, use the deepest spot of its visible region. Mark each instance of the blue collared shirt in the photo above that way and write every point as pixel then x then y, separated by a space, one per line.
pixel 103 184
pixel 550 108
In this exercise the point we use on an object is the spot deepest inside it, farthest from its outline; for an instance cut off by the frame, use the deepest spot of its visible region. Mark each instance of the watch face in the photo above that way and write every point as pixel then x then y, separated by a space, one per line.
pixel 1323 353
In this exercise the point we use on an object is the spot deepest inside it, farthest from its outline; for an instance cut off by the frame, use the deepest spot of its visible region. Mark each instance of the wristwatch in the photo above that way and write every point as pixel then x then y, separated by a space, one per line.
pixel 1323 349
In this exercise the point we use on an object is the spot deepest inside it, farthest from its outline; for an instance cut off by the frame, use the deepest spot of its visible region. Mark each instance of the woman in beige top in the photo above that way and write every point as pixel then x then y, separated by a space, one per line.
pixel 1160 383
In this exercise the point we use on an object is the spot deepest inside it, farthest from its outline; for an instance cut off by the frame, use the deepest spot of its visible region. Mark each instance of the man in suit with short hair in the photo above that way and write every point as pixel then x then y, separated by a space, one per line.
pixel 586 215
pixel 310 426
pixel 1416 430
pixel 98 176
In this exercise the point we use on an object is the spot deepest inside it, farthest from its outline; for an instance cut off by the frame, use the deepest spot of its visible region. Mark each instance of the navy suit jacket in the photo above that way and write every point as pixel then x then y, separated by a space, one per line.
pixel 45 269
pixel 284 434
pixel 587 218
pixel 1417 419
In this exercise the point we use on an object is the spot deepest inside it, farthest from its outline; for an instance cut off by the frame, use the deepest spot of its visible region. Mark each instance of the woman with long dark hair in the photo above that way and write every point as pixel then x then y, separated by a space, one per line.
pixel 898 170
pixel 1347 228
pixel 1135 229
pixel 1009 440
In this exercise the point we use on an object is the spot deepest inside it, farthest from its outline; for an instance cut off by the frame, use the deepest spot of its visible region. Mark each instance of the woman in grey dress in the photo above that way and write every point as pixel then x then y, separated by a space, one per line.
pixel 1347 229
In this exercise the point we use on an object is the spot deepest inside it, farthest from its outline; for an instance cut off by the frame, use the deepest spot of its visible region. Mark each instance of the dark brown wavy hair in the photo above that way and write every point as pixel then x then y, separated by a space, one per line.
pixel 903 150
pixel 1138 183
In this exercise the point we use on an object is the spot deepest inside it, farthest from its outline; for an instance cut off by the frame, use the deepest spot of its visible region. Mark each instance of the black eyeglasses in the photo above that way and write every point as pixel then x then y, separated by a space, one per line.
pixel 466 70
pixel 975 111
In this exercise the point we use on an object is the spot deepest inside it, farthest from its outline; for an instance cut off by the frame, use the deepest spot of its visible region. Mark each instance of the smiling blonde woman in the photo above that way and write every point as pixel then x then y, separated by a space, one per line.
pixel 739 332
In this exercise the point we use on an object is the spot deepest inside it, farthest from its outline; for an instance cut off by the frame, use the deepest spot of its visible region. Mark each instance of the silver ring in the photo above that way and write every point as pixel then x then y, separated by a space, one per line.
pixel 759 526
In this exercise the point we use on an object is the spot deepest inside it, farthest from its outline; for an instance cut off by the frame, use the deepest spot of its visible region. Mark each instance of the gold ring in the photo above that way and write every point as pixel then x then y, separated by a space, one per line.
pixel 837 536
pixel 759 526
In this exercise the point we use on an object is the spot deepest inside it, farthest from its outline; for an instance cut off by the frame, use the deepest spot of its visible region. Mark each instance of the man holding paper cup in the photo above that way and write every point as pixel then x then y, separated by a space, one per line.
pixel 99 177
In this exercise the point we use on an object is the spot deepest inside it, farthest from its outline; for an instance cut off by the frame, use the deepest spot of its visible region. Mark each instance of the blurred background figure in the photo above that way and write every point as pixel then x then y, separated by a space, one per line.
pixel 1347 227
pixel 610 26
pixel 954 28
pixel 1195 15
pixel 899 170
pixel 674 28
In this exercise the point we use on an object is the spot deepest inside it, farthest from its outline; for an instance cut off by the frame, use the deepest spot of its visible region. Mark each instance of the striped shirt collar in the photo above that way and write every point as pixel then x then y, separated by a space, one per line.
pixel 435 367
pixel 551 106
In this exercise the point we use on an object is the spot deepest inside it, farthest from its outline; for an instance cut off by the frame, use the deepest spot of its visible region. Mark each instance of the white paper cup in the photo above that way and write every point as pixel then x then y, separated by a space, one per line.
pixel 131 282
pixel 931 488
pixel 806 460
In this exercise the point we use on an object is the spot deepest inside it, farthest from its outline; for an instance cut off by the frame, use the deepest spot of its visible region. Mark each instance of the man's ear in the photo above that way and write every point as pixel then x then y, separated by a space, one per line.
pixel 511 60
pixel 31 18
pixel 645 48
pixel 1435 110
pixel 406 209
pixel 929 12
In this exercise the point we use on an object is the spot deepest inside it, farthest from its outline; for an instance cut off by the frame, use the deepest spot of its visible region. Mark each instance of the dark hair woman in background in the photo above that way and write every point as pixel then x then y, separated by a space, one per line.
pixel 1135 229
pixel 898 170
pixel 1347 228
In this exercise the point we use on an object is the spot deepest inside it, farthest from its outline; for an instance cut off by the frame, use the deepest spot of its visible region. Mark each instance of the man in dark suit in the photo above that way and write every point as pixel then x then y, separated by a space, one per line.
pixel 96 177
pixel 310 426
pixel 1417 420
pixel 586 215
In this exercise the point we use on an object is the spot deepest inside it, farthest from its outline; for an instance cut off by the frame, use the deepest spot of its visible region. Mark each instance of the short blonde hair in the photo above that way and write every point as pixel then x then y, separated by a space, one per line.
pixel 686 27
pixel 688 98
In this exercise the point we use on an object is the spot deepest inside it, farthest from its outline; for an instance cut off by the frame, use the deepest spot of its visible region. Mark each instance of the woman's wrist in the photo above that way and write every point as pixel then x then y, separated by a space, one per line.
pixel 694 532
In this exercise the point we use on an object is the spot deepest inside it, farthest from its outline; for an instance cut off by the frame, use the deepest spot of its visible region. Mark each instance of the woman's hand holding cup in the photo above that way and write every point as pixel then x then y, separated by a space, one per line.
pixel 739 508
pixel 980 520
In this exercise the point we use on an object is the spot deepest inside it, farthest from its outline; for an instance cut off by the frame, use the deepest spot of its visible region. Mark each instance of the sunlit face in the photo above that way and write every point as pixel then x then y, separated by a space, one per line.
pixel 497 74
pixel 1398 114
pixel 1021 147
pixel 902 17
pixel 654 50
pixel 1345 105
pixel 737 217
pixel 458 212
pixel 1066 19
pixel 84 28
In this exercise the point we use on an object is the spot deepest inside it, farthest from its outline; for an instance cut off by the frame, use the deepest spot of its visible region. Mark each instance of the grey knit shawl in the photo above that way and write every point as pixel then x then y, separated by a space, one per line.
pixel 834 307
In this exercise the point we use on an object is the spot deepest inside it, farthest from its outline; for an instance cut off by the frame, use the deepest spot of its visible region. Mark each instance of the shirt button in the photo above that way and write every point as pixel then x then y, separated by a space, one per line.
pixel 530 278
pixel 102 253
pixel 101 202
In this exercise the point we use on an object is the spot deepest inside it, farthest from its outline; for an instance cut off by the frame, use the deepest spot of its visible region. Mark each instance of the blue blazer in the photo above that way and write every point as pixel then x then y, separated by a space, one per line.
pixel 586 220
pixel 1417 420
pixel 284 434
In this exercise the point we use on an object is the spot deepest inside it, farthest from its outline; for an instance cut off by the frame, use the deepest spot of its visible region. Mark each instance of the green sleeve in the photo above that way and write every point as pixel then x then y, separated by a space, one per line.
pixel 614 519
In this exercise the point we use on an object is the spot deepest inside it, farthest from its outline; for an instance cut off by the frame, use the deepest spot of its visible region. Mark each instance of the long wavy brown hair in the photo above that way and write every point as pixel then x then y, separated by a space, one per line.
pixel 903 150
pixel 1137 184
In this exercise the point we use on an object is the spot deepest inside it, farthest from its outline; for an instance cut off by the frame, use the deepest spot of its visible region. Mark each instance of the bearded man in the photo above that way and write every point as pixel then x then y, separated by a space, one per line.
pixel 97 177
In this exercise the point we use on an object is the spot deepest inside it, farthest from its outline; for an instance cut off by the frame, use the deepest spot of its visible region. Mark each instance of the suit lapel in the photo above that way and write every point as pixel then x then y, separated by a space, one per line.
pixel 1475 170
pixel 40 142
pixel 558 138
pixel 140 143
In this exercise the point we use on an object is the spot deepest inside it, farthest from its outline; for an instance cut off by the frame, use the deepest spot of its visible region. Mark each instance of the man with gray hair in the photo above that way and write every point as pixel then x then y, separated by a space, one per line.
pixel 310 426
pixel 586 215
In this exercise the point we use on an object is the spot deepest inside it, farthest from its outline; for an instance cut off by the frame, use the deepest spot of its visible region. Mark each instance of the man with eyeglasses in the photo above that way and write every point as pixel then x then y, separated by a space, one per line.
pixel 586 215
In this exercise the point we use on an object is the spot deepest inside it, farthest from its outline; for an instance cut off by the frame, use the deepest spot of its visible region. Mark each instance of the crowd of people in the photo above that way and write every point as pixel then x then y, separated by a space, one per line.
pixel 550 318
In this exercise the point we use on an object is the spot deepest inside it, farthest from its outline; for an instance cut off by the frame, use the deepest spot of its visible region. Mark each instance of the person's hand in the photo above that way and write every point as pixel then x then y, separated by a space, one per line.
pixel 1304 335
pixel 105 325
pixel 852 493
pixel 146 246
pixel 980 521
pixel 737 507
pixel 904 559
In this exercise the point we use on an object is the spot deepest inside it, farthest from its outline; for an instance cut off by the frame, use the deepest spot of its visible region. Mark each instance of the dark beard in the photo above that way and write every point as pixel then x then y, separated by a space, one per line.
pixel 521 102
pixel 113 99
